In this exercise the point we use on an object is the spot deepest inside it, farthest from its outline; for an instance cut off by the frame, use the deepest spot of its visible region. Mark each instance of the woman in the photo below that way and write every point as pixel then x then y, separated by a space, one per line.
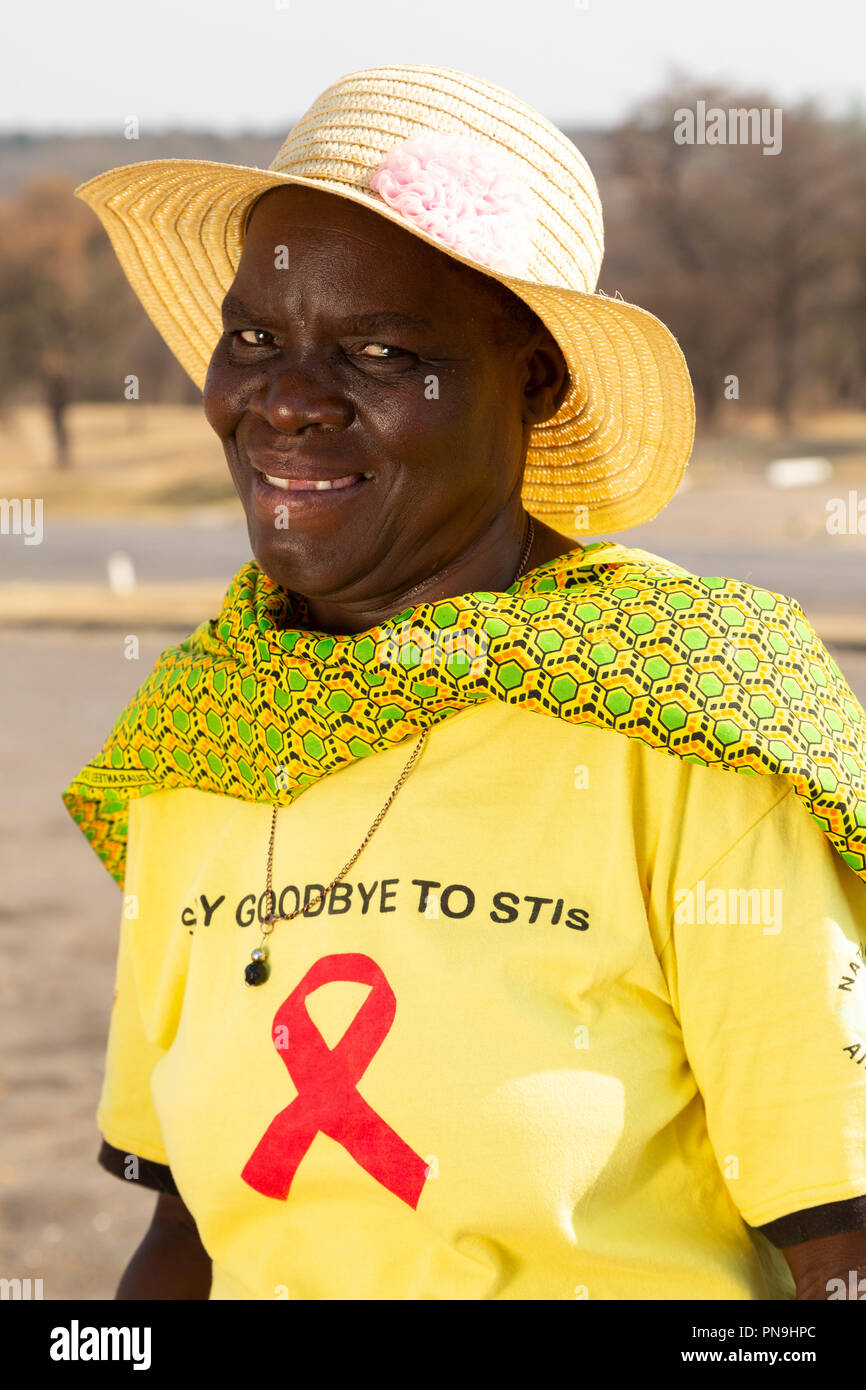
pixel 454 961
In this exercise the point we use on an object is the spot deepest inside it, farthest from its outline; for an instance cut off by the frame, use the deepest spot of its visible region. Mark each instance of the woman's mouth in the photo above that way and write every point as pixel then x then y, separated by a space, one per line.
pixel 277 494
pixel 314 484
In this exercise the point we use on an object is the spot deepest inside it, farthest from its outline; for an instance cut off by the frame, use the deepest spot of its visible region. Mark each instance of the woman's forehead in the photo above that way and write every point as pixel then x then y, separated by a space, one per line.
pixel 312 212
pixel 351 242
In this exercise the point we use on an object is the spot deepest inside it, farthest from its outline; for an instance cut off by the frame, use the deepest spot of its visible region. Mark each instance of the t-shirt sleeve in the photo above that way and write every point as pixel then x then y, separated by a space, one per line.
pixel 148 990
pixel 126 1115
pixel 766 965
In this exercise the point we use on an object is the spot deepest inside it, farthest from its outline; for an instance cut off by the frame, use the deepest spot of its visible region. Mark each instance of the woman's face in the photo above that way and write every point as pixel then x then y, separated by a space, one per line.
pixel 357 355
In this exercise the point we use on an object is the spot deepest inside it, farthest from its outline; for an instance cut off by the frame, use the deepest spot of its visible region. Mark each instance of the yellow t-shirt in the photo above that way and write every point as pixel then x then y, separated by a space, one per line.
pixel 602 1013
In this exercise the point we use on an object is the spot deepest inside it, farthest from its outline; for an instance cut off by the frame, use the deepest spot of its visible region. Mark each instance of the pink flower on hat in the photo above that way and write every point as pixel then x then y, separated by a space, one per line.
pixel 464 193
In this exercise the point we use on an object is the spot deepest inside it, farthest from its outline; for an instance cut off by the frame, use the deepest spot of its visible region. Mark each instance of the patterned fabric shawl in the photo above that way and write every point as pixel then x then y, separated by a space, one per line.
pixel 712 670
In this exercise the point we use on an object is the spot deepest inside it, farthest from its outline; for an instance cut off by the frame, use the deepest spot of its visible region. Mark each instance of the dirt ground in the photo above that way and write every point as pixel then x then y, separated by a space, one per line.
pixel 62 1219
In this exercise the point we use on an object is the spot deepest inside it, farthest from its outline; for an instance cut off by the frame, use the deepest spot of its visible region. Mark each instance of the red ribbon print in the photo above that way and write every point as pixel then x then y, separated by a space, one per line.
pixel 327 1100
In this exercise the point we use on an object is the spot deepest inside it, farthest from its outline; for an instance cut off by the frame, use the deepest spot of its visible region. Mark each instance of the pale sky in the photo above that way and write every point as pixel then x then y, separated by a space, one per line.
pixel 257 64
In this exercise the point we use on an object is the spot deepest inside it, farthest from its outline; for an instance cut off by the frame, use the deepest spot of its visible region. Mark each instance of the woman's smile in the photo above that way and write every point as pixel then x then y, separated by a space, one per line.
pixel 296 484
pixel 312 495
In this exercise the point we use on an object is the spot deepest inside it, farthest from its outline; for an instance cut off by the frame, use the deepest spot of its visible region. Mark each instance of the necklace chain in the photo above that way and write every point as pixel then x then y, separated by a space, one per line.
pixel 259 972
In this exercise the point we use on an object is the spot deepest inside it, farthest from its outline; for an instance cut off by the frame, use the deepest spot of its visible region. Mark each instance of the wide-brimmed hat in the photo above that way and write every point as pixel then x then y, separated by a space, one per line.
pixel 474 171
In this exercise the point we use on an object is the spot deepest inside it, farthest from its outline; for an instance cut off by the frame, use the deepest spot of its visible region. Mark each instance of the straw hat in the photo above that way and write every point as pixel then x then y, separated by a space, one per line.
pixel 501 190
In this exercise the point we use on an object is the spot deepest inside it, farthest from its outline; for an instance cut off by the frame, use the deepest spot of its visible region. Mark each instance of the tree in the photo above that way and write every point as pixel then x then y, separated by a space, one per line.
pixel 71 327
pixel 739 252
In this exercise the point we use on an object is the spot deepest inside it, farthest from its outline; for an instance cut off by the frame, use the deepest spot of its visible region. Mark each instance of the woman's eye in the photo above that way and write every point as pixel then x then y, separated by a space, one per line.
pixel 380 349
pixel 260 337
pixel 253 336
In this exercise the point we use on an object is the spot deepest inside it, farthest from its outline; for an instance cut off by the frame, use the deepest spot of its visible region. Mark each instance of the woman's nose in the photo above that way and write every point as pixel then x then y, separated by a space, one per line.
pixel 294 400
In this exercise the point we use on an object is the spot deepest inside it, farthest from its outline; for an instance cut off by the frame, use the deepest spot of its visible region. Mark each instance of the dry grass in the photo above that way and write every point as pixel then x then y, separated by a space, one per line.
pixel 132 460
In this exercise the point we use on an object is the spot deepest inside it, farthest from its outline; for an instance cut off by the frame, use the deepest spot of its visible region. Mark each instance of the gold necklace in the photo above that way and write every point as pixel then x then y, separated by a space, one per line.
pixel 257 971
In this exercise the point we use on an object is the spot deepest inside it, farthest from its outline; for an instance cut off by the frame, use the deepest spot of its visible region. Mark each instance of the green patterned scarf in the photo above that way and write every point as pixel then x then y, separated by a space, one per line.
pixel 713 670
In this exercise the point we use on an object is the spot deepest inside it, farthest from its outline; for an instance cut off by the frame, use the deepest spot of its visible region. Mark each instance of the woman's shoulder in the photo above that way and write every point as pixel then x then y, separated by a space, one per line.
pixel 172 830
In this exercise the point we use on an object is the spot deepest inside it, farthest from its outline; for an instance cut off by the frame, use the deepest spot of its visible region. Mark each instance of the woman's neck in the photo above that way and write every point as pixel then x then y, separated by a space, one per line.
pixel 490 566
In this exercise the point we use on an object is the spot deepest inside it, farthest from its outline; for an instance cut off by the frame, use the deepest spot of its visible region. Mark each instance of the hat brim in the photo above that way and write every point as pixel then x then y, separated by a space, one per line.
pixel 611 458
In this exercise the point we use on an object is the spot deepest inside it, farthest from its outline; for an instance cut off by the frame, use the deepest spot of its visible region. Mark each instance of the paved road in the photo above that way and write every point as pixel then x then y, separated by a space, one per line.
pixel 78 552
pixel 829 580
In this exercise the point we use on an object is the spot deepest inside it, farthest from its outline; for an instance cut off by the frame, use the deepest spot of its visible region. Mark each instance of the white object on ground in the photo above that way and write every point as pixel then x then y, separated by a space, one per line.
pixel 798 472
pixel 121 573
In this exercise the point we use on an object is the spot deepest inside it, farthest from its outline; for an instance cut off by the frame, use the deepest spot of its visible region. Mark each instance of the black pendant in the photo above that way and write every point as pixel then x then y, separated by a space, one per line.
pixel 257 971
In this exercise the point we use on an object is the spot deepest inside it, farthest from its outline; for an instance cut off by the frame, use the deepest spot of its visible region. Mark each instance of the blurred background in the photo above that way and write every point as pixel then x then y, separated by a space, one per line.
pixel 756 261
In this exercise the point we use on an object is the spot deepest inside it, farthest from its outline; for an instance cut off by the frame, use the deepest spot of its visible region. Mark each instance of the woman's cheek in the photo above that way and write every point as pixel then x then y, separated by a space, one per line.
pixel 222 398
pixel 211 397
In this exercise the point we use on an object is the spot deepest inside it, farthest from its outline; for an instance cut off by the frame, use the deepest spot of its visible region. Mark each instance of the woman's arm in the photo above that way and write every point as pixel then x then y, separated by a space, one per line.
pixel 171 1262
pixel 831 1264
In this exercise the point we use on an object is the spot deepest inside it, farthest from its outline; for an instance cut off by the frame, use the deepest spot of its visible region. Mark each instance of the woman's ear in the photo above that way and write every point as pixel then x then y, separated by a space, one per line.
pixel 547 379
